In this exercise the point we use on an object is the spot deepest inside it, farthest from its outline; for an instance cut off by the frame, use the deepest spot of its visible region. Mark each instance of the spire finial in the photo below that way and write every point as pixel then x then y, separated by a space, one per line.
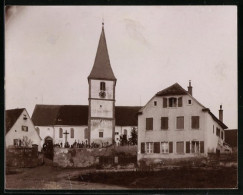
pixel 102 21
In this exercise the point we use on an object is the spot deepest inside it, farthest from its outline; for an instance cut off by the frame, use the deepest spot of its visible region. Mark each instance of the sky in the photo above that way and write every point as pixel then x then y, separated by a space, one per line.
pixel 50 51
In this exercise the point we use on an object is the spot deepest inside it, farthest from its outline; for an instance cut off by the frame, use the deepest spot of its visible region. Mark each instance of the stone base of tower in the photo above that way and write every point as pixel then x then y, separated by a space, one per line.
pixel 101 132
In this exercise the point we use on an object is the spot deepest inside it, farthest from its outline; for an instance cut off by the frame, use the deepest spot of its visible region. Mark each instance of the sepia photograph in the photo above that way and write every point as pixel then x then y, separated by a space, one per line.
pixel 120 97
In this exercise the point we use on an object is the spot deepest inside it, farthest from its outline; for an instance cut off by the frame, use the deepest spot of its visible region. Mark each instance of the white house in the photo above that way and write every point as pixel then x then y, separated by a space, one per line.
pixel 173 124
pixel 17 125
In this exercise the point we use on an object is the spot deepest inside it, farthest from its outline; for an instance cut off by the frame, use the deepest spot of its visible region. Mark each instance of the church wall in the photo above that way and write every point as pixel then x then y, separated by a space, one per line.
pixel 79 134
pixel 95 89
pixel 101 108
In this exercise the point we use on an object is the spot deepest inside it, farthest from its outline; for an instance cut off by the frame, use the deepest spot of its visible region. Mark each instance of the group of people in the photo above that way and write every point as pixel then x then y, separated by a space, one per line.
pixel 81 145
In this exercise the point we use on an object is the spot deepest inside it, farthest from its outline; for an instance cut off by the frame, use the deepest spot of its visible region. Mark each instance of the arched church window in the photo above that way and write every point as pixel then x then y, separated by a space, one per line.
pixel 72 133
pixel 60 133
pixel 102 86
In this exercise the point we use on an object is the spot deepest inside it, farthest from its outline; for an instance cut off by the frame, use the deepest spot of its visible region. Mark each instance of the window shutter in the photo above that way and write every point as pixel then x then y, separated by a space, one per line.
pixel 187 147
pixel 164 102
pixel 149 123
pixel 180 122
pixel 164 122
pixel 142 147
pixel 180 102
pixel 170 147
pixel 201 146
pixel 156 147
pixel 195 122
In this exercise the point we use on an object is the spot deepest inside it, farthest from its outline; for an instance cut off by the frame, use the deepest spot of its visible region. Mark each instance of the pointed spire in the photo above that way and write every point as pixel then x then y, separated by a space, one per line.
pixel 102 67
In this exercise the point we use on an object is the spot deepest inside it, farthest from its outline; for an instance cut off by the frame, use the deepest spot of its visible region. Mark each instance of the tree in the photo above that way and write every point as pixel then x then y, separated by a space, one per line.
pixel 133 140
pixel 26 142
pixel 123 140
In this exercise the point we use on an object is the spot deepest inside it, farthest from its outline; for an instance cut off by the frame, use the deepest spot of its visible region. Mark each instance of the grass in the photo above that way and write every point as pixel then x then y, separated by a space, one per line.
pixel 173 178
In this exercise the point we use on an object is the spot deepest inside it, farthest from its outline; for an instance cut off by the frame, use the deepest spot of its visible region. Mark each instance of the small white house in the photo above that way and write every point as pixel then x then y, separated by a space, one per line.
pixel 18 125
pixel 173 124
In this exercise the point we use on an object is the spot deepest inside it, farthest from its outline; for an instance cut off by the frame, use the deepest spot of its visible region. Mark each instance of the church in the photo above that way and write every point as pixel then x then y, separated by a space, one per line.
pixel 99 122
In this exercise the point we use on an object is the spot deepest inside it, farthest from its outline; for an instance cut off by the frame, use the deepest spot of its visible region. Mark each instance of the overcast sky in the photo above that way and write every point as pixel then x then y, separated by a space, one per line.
pixel 50 51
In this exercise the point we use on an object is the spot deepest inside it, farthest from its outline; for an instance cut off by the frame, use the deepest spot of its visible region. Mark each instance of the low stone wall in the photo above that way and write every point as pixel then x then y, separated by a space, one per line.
pixel 85 157
pixel 23 157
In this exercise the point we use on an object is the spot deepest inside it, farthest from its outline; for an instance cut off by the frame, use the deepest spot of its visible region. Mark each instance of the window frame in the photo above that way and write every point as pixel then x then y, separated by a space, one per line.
pixel 24 128
pixel 100 134
pixel 60 133
pixel 164 150
pixel 174 103
pixel 72 133
pixel 147 126
pixel 150 148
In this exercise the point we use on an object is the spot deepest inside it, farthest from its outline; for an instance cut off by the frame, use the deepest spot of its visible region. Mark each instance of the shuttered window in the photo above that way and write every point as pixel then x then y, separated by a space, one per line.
pixel 142 147
pixel 156 147
pixel 187 147
pixel 149 123
pixel 195 122
pixel 164 122
pixel 170 147
pixel 180 122
pixel 60 133
pixel 72 133
pixel 180 102
pixel 164 102
pixel 201 146
pixel 180 147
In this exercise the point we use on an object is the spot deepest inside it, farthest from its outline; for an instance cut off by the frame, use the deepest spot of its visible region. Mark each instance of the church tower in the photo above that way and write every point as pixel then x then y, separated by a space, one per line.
pixel 102 82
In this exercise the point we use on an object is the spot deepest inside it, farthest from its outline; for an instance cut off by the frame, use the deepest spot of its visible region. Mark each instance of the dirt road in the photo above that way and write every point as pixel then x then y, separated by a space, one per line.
pixel 48 177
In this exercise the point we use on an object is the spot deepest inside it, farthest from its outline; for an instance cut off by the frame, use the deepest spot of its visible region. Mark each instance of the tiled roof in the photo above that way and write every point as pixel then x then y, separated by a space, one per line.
pixel 175 89
pixel 126 115
pixel 102 67
pixel 11 117
pixel 231 137
pixel 73 115
pixel 46 115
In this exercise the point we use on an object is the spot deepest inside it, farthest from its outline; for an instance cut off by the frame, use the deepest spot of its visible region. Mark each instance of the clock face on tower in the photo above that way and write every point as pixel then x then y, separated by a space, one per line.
pixel 102 94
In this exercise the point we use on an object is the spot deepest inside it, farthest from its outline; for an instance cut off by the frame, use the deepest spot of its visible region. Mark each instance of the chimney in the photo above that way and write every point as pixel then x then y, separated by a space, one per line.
pixel 190 88
pixel 221 113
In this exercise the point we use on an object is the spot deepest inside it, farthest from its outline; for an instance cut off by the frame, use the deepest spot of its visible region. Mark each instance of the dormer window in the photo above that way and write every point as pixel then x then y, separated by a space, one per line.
pixel 102 86
pixel 172 102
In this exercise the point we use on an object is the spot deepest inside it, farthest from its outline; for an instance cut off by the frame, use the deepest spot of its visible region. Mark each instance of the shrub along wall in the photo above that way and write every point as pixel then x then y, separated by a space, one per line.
pixel 23 157
pixel 85 157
